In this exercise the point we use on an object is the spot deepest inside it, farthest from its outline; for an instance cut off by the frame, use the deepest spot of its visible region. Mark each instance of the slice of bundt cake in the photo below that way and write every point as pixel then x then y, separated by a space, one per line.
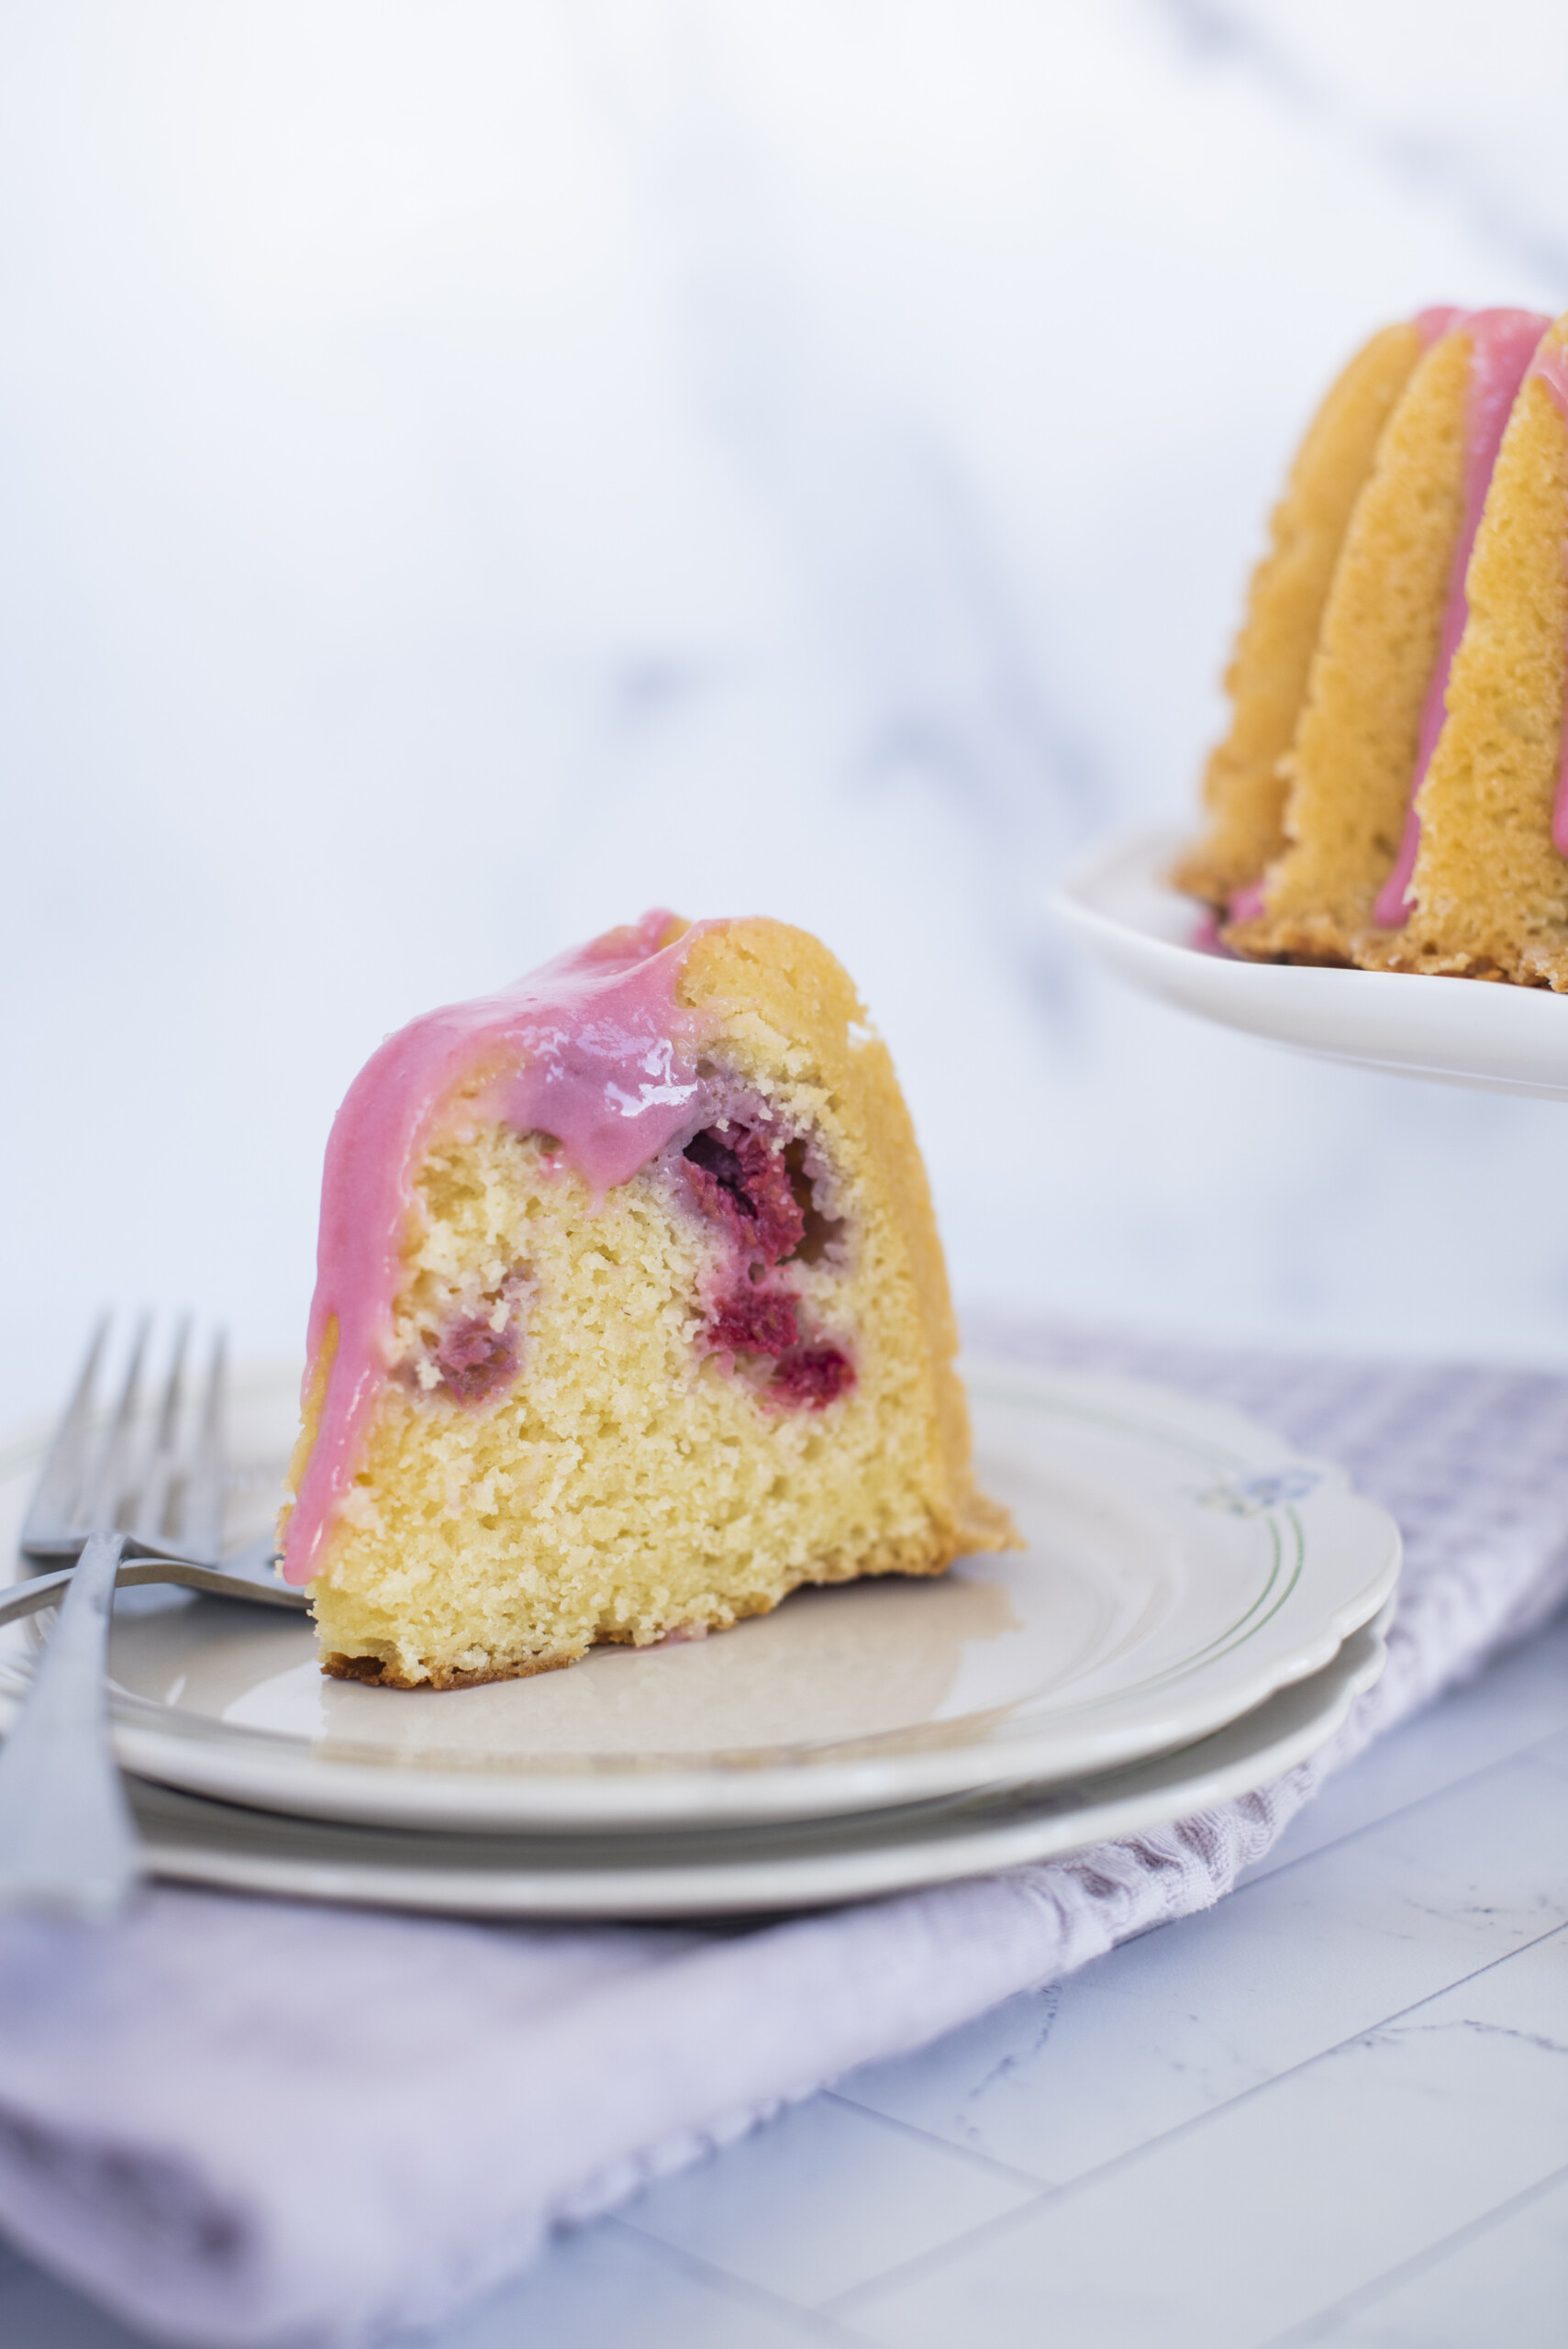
pixel 632 1317
pixel 1391 625
pixel 1245 784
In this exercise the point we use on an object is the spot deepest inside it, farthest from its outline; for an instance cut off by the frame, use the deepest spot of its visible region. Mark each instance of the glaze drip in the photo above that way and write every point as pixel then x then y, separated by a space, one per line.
pixel 592 1049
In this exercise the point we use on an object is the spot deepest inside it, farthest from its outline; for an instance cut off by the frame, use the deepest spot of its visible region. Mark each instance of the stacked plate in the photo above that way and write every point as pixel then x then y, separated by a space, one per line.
pixel 1195 1610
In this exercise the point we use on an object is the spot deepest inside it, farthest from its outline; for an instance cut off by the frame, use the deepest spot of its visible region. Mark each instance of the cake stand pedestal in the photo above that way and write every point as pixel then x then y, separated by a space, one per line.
pixel 1459 1032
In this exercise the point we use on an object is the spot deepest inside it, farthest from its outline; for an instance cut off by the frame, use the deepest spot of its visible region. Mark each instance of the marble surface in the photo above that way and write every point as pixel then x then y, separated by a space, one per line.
pixel 1331 2109
pixel 469 472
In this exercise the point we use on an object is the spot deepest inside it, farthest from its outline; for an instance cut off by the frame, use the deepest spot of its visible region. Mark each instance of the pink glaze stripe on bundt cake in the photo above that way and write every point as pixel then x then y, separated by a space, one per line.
pixel 1503 344
pixel 632 1317
pixel 1487 895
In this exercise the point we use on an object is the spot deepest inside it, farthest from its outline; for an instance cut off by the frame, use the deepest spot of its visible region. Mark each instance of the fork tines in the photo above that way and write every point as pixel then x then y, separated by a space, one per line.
pixel 155 1475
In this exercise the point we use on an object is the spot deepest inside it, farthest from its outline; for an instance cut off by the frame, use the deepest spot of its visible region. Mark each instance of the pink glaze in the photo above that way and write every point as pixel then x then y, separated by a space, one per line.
pixel 1502 344
pixel 592 1049
pixel 1248 902
pixel 1551 366
pixel 1206 939
pixel 1433 324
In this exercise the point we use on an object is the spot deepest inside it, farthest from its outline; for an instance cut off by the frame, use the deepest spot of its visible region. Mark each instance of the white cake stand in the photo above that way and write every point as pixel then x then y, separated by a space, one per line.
pixel 1461 1031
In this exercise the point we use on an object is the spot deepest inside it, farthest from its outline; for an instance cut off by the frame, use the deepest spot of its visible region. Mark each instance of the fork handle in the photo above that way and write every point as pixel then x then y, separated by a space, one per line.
pixel 68 1845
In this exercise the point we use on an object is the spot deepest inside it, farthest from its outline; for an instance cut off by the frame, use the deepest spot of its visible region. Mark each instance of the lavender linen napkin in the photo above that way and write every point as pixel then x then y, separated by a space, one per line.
pixel 256 2122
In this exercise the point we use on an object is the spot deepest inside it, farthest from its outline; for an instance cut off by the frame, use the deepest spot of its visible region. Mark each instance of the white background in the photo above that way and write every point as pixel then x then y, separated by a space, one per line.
pixel 469 472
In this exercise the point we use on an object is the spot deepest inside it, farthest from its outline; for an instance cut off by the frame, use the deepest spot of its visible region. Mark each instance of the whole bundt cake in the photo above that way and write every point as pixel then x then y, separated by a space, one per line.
pixel 1389 793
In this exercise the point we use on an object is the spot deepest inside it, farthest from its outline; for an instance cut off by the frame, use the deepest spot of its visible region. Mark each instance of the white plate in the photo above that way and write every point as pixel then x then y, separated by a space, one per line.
pixel 1501 1038
pixel 760 1866
pixel 1183 1566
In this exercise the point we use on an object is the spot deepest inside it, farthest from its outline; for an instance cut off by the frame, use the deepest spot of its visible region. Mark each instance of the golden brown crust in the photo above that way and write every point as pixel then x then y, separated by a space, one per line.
pixel 1356 744
pixel 1245 786
pixel 379 1671
pixel 802 990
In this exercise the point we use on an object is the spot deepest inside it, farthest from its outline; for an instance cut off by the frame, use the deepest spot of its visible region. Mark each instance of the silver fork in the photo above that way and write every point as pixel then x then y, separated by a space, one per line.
pixel 168 1504
pixel 68 1845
